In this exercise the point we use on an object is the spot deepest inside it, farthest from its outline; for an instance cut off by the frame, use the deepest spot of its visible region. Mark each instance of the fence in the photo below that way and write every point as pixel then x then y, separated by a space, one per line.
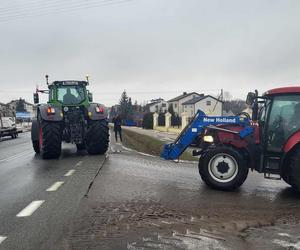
pixel 168 123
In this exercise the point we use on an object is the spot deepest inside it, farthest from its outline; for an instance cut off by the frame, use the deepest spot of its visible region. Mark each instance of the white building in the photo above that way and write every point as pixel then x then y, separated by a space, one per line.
pixel 208 104
pixel 179 100
pixel 158 105
pixel 28 107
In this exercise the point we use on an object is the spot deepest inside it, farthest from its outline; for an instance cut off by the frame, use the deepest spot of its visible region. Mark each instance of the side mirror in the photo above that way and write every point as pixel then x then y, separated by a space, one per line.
pixel 36 98
pixel 250 98
pixel 90 97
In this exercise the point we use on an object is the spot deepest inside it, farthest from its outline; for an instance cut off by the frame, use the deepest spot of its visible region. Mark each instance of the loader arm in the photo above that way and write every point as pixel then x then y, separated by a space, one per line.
pixel 196 126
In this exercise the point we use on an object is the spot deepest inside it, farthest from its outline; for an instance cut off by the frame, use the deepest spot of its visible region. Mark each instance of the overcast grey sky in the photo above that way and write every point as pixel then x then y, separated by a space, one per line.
pixel 151 48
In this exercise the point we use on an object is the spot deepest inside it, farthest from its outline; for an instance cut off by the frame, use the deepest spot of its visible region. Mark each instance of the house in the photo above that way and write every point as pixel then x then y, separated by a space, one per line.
pixel 177 102
pixel 228 113
pixel 207 103
pixel 158 105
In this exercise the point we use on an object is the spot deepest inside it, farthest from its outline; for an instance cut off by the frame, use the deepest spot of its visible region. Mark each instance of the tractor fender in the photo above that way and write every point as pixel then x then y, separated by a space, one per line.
pixel 94 115
pixel 291 142
pixel 56 117
pixel 34 130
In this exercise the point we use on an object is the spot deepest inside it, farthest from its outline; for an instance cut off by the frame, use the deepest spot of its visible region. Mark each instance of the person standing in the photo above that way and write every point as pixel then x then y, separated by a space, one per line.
pixel 117 127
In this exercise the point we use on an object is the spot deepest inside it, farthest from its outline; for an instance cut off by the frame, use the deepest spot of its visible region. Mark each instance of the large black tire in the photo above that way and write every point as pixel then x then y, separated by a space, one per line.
pixel 36 146
pixel 97 137
pixel 35 136
pixel 223 168
pixel 50 139
pixel 291 173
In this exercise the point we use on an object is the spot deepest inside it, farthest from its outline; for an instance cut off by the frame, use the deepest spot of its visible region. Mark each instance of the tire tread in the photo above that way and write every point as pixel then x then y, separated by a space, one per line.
pixel 97 137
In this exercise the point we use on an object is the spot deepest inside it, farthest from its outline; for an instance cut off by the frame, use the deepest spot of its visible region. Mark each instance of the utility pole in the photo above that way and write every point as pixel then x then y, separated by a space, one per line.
pixel 222 99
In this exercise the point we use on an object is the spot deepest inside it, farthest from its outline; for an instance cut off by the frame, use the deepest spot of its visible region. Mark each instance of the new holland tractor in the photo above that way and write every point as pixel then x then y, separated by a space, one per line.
pixel 70 116
pixel 229 146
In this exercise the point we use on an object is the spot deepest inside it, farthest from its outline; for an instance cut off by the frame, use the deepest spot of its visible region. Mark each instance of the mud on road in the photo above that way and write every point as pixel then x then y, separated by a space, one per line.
pixel 140 202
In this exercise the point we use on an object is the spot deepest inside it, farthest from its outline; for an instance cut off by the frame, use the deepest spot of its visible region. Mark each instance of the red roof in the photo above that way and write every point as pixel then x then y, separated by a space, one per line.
pixel 283 90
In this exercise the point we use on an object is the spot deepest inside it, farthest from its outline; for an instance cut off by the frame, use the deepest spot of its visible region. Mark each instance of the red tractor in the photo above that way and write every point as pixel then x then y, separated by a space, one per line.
pixel 268 143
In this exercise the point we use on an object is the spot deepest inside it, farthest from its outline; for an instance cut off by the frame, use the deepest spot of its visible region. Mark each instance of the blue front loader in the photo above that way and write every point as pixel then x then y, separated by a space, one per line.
pixel 199 122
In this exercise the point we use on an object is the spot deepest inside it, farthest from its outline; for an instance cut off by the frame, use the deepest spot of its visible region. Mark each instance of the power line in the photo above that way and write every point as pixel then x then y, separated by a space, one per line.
pixel 41 10
pixel 39 5
pixel 63 10
pixel 17 5
pixel 131 92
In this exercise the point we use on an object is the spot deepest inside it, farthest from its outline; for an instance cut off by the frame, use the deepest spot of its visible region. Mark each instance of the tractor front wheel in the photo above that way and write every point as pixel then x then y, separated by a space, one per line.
pixel 223 168
pixel 97 137
pixel 49 139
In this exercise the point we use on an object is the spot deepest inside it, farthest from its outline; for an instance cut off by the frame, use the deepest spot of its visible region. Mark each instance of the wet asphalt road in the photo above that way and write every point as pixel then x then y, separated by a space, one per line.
pixel 136 202
pixel 24 178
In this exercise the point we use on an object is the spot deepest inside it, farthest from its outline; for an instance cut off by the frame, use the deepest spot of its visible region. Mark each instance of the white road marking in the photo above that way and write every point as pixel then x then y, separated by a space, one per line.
pixel 70 172
pixel 29 210
pixel 78 164
pixel 2 238
pixel 55 186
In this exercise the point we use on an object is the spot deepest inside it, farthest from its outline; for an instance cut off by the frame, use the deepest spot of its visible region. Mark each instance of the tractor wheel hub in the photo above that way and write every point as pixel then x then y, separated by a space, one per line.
pixel 223 167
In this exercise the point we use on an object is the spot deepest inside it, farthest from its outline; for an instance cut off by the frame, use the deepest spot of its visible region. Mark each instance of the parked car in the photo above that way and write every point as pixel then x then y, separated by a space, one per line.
pixel 8 127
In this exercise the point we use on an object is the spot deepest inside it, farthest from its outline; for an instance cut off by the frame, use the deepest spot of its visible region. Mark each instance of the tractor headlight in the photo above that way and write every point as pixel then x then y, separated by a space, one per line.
pixel 208 138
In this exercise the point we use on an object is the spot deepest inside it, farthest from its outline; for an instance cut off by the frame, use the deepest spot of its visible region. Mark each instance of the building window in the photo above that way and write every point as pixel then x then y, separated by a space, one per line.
pixel 175 105
pixel 191 106
pixel 164 105
pixel 208 103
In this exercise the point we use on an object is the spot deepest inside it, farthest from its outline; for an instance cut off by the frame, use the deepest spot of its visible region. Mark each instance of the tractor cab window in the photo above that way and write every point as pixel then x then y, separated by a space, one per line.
pixel 284 120
pixel 263 111
pixel 70 95
pixel 51 95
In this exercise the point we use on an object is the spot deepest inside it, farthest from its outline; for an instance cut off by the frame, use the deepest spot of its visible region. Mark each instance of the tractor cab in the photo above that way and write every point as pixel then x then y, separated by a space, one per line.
pixel 69 93
pixel 278 114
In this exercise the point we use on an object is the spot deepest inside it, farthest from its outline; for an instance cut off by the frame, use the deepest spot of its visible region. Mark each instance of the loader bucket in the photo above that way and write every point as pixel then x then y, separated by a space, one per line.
pixel 165 154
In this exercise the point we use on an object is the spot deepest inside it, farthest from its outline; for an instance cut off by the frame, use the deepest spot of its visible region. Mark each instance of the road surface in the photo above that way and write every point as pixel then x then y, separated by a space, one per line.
pixel 135 202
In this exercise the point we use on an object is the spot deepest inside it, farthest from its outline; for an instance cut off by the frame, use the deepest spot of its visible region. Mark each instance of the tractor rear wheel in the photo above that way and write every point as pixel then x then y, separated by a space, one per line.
pixel 36 146
pixel 35 136
pixel 50 139
pixel 292 173
pixel 97 137
pixel 223 168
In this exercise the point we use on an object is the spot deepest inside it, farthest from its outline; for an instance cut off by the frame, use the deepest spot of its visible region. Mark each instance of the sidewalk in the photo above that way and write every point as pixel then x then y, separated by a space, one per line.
pixel 162 136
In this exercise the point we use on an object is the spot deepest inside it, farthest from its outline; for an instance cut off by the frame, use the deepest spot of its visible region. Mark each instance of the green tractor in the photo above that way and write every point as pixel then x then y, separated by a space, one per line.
pixel 71 116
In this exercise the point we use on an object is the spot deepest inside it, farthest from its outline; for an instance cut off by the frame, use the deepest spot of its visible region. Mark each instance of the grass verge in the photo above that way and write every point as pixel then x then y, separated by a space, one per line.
pixel 149 145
